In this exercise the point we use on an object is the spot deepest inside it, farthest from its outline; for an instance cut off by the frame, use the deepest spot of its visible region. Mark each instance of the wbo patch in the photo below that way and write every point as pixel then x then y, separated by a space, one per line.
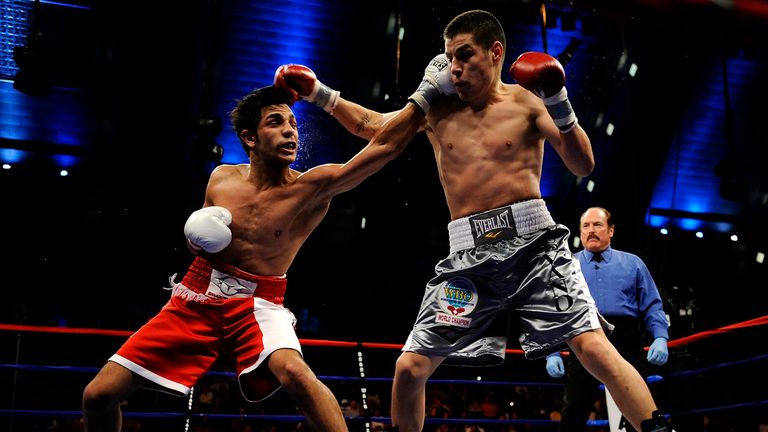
pixel 492 226
pixel 458 297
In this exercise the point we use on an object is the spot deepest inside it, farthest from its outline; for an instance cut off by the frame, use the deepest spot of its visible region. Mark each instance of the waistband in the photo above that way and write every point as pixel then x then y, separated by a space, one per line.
pixel 218 280
pixel 498 224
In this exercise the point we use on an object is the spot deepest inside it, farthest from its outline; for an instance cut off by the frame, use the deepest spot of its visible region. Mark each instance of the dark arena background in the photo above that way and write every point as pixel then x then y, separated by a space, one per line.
pixel 114 113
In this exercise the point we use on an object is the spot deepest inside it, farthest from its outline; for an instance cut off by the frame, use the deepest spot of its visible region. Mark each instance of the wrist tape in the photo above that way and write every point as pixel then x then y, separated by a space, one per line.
pixel 559 108
pixel 324 97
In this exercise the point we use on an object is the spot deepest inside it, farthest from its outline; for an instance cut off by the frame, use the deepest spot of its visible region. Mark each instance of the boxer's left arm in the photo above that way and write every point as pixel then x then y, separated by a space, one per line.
pixel 359 120
pixel 544 76
pixel 392 137
pixel 302 83
pixel 388 142
pixel 435 83
pixel 574 147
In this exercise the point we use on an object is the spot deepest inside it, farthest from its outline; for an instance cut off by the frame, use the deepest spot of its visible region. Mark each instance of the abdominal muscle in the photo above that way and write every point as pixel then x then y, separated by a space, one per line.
pixel 487 158
pixel 478 187
pixel 484 169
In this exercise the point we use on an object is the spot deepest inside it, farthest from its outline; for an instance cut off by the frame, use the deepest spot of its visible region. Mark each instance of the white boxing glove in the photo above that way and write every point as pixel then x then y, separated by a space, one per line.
pixel 208 229
pixel 436 82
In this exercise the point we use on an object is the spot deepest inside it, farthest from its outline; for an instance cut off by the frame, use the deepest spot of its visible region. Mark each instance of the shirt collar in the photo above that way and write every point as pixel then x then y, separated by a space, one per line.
pixel 606 255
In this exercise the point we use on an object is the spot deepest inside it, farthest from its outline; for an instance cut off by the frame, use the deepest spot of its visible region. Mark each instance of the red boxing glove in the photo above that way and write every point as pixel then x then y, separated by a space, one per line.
pixel 538 72
pixel 544 75
pixel 302 83
pixel 297 80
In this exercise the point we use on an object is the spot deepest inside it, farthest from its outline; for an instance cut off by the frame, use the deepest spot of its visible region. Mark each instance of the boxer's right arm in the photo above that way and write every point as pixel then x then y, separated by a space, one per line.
pixel 208 229
pixel 435 83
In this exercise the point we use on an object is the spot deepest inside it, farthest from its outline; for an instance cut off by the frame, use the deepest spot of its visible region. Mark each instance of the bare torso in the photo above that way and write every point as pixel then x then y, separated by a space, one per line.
pixel 269 224
pixel 487 158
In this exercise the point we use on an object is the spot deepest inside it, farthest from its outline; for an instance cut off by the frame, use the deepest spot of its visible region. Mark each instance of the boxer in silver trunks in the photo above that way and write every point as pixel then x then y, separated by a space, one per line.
pixel 514 258
pixel 488 139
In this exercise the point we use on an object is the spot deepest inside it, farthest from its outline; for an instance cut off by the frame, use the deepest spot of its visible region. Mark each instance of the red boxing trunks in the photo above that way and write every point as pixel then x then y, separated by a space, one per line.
pixel 217 310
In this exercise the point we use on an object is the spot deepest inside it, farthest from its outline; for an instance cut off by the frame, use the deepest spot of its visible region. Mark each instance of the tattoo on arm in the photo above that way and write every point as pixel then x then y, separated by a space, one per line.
pixel 363 122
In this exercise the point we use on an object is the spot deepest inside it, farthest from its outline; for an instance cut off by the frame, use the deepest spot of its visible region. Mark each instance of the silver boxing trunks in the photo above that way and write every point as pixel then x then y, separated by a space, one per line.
pixel 510 262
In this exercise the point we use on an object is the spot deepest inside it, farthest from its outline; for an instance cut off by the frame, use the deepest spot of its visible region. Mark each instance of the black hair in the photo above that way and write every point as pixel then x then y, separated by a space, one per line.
pixel 483 26
pixel 247 114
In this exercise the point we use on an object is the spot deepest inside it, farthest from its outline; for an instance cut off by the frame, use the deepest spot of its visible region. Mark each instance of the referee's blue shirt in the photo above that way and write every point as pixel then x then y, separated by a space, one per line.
pixel 622 286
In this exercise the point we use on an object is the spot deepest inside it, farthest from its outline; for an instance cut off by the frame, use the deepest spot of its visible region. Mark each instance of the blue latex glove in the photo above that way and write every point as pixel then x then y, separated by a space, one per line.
pixel 657 353
pixel 555 367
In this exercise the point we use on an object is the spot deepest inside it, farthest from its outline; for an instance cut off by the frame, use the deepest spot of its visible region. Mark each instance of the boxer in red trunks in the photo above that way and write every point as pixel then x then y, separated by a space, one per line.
pixel 255 218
